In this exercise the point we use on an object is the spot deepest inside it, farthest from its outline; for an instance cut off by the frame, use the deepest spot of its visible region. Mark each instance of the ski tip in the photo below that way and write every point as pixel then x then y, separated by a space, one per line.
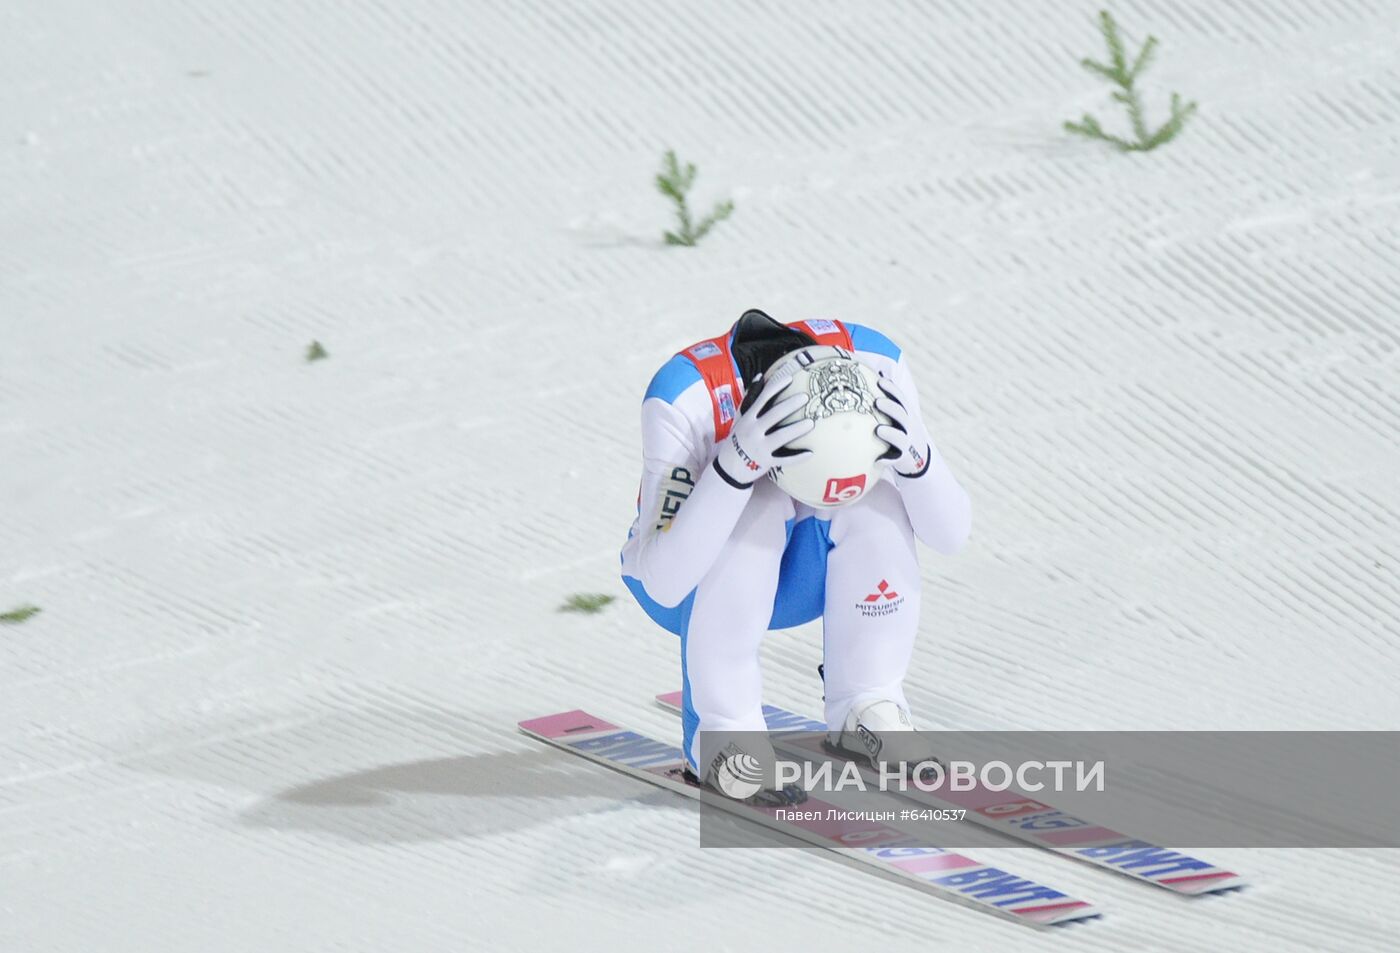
pixel 565 723
pixel 1065 911
pixel 669 699
pixel 1208 884
pixel 1073 918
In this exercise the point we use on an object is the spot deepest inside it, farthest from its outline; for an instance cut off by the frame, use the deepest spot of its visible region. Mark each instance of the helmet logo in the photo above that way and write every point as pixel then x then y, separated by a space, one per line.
pixel 836 387
pixel 844 489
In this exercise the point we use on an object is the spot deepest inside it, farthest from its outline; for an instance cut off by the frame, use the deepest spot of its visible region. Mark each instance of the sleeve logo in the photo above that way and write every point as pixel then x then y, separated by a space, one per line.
pixel 675 491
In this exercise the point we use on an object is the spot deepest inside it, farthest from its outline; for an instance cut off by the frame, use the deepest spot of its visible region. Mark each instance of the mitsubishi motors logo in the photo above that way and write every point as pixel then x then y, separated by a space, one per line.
pixel 882 591
pixel 883 601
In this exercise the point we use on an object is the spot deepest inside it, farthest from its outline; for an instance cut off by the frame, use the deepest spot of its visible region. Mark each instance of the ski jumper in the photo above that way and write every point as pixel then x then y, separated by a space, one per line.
pixel 720 565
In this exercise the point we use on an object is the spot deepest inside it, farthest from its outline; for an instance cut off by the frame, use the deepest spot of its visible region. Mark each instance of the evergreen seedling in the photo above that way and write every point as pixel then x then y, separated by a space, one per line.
pixel 315 352
pixel 674 182
pixel 586 602
pixel 16 616
pixel 1124 76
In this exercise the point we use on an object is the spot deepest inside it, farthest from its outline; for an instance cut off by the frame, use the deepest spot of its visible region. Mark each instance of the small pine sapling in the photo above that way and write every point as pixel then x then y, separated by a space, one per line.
pixel 1124 76
pixel 586 602
pixel 21 614
pixel 315 352
pixel 674 182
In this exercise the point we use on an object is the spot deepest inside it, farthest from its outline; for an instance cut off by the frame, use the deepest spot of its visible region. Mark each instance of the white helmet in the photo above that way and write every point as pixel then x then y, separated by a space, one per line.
pixel 846 455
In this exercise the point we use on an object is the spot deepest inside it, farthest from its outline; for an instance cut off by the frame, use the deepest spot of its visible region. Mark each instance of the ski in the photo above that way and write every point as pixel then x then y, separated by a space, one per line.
pixel 1026 820
pixel 860 841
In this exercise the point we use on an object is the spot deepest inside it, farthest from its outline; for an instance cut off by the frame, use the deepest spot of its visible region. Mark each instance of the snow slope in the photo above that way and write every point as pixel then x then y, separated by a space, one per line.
pixel 293 611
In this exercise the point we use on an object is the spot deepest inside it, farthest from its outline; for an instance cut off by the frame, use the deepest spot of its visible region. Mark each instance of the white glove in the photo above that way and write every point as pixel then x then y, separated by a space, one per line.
pixel 910 447
pixel 759 440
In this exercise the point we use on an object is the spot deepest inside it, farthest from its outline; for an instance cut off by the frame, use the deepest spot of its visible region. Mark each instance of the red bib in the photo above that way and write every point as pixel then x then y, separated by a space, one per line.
pixel 716 365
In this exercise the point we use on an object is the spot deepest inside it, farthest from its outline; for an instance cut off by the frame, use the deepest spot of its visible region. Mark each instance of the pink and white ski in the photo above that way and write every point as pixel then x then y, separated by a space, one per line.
pixel 1027 820
pixel 867 843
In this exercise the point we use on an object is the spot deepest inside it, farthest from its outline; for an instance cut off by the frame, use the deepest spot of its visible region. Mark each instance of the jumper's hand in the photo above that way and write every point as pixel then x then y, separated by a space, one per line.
pixel 910 447
pixel 759 440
